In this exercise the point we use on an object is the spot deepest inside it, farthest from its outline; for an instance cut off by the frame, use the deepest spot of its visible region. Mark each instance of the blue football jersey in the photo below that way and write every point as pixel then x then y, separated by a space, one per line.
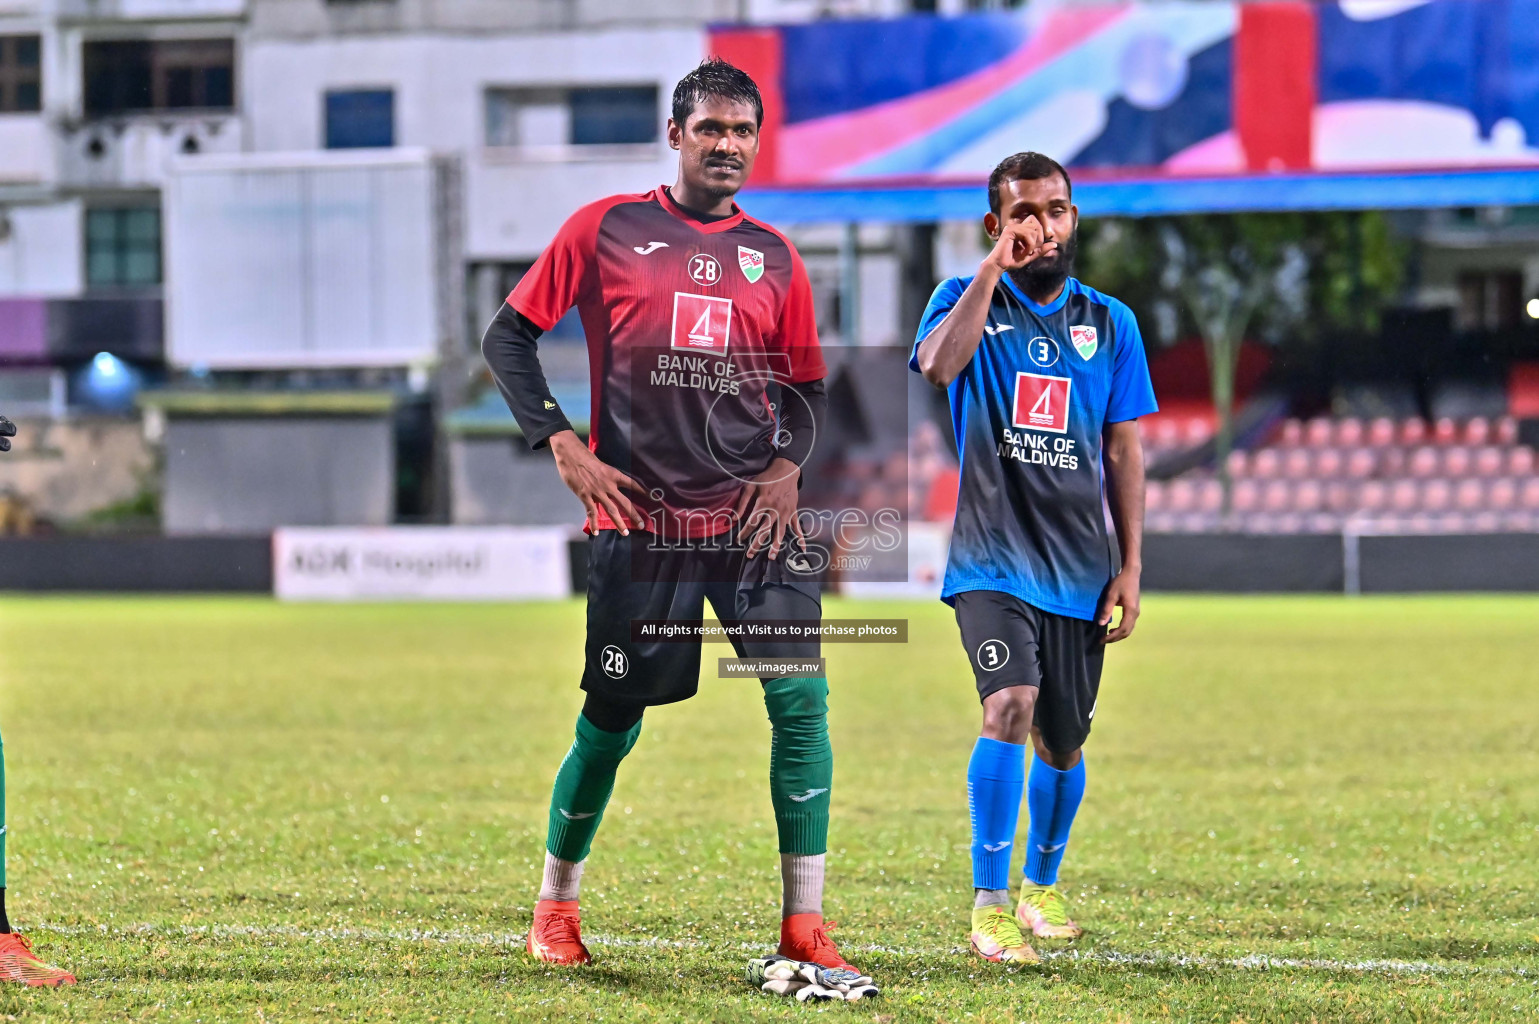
pixel 1028 412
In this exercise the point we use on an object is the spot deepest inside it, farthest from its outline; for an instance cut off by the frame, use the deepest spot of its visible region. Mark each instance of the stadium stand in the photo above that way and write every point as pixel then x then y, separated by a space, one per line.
pixel 1382 475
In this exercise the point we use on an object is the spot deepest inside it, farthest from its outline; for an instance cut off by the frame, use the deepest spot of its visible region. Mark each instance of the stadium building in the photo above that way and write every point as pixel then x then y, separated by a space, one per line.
pixel 247 246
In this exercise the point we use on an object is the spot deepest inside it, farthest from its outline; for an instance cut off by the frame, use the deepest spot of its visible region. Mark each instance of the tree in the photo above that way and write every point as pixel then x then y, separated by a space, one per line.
pixel 1227 276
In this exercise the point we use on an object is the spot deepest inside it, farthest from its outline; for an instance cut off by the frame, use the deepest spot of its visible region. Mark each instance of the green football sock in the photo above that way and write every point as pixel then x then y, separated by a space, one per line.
pixel 801 762
pixel 2 825
pixel 583 785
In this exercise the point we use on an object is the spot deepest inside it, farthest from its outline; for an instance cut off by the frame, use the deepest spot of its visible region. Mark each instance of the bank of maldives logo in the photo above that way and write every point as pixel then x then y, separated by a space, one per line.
pixel 752 263
pixel 1041 403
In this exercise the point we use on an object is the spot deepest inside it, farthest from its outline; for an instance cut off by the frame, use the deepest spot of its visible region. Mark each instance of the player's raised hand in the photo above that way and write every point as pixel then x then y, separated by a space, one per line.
pixel 7 431
pixel 1020 243
pixel 1122 592
pixel 597 485
pixel 767 508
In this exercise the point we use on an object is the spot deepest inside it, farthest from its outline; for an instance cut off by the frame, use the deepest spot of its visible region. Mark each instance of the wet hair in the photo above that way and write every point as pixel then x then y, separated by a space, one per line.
pixel 1023 167
pixel 715 78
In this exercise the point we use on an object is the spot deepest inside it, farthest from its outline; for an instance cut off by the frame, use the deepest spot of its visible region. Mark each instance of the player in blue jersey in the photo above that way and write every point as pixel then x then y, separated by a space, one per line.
pixel 1046 379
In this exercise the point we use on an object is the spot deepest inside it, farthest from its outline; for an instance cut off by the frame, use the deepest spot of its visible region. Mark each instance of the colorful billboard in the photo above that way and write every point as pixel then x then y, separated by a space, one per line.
pixel 1138 94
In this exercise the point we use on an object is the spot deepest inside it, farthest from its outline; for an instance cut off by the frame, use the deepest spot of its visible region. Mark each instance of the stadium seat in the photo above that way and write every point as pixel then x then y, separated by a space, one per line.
pixel 1412 431
pixel 1484 522
pixel 1292 433
pixel 1404 496
pixel 1373 496
pixel 1154 496
pixel 1349 432
pixel 1308 496
pixel 1246 496
pixel 1528 494
pixel 1239 463
pixel 1361 463
pixel 1340 496
pixel 1210 496
pixel 1317 432
pixel 1322 522
pixel 1445 431
pixel 1520 461
pixel 1470 495
pixel 1457 461
pixel 1488 461
pixel 1477 431
pixel 1436 495
pixel 1276 496
pixel 1381 432
pixel 1423 462
pixel 1265 464
pixel 1196 431
pixel 1519 522
pixel 1506 430
pixel 1181 496
pixel 1502 494
pixel 1297 463
pixel 1328 462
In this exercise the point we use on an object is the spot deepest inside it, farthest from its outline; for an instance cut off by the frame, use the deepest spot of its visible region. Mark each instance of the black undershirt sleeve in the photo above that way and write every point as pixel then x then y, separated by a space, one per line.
pixel 510 349
pixel 801 419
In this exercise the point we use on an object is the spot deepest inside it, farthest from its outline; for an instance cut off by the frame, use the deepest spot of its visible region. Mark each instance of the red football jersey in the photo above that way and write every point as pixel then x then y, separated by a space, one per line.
pixel 687 324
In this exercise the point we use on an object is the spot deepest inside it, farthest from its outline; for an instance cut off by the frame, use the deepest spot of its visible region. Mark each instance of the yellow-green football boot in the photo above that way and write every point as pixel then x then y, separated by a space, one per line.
pixel 1043 912
pixel 997 936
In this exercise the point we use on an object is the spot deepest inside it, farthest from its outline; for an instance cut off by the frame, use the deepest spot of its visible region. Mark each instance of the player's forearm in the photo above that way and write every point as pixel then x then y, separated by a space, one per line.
pixel 1124 461
pixel 511 351
pixel 947 350
pixel 804 407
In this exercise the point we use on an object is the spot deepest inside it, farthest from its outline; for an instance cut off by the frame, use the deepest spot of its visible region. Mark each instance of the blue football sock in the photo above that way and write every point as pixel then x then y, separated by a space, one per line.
pixel 996 774
pixel 1053 797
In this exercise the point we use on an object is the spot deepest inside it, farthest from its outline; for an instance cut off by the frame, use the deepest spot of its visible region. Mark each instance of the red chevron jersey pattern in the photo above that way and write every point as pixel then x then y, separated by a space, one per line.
pixel 687 323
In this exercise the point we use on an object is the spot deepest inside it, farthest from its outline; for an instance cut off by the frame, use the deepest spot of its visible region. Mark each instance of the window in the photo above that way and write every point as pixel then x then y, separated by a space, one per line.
pixel 360 118
pixel 1490 300
pixel 21 74
pixel 176 74
pixel 625 115
pixel 123 247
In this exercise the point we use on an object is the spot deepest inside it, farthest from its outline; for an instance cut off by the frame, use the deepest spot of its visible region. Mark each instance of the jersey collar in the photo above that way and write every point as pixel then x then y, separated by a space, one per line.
pixel 1047 310
pixel 709 227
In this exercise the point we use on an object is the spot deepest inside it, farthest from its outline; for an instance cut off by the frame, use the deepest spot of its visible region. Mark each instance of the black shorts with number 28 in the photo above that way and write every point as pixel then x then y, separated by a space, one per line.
pixel 1012 643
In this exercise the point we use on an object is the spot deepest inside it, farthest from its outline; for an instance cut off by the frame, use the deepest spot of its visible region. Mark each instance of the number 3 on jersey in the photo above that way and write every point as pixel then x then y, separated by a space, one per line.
pixel 701 323
pixel 1041 403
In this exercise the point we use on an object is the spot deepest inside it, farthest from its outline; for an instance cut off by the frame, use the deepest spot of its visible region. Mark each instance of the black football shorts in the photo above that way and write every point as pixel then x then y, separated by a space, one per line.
pixel 1012 643
pixel 633 578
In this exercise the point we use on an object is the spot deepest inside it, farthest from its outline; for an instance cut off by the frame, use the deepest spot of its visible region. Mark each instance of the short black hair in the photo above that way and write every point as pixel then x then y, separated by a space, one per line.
pixel 717 78
pixel 1024 167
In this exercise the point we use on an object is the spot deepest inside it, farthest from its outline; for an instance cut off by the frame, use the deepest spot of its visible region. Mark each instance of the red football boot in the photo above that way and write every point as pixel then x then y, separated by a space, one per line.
pixel 19 964
pixel 556 936
pixel 804 937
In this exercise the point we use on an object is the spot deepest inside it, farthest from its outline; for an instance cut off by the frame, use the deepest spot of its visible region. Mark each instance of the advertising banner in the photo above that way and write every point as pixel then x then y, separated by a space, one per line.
pixel 421 563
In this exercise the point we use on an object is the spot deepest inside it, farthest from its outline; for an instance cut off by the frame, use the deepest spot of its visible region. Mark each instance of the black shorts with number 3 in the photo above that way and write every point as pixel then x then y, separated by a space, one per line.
pixel 1012 643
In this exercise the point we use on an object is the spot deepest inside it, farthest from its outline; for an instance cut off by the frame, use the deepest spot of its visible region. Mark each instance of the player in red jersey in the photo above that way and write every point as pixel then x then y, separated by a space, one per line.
pixel 17 961
pixel 696 315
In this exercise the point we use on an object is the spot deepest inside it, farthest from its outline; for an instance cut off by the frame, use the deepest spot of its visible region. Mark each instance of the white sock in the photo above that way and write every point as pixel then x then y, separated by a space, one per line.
pixel 801 883
pixel 562 878
pixel 991 898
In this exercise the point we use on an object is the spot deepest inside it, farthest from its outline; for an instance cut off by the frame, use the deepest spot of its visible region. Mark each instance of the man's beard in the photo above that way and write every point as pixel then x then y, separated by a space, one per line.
pixel 1048 275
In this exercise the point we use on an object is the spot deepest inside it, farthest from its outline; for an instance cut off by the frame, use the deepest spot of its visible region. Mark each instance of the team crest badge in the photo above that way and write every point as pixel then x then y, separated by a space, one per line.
pixel 1084 340
pixel 752 262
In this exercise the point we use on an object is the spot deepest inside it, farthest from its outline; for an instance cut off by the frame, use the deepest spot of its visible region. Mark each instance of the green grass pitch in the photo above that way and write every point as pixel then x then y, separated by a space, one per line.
pixel 1300 809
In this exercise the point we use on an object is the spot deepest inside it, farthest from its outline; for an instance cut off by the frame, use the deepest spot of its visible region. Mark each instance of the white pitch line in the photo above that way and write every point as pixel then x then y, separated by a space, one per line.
pixel 1068 956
